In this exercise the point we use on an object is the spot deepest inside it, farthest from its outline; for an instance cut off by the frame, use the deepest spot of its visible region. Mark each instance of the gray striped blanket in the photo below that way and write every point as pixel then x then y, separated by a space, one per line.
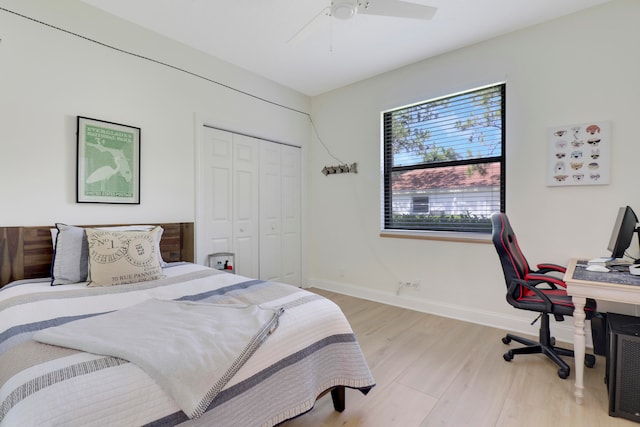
pixel 313 350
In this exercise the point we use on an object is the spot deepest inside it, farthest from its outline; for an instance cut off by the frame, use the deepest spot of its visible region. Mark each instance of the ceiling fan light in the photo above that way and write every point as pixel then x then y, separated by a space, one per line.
pixel 343 9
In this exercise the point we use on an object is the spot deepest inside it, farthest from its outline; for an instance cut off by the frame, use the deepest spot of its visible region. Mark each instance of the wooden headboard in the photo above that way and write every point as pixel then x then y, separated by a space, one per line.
pixel 26 252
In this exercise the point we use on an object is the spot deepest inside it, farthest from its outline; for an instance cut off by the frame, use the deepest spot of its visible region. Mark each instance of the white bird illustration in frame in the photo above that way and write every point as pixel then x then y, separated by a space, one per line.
pixel 104 173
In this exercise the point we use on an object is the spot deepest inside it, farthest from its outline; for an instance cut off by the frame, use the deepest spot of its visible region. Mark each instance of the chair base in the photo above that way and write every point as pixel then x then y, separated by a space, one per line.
pixel 533 347
pixel 545 346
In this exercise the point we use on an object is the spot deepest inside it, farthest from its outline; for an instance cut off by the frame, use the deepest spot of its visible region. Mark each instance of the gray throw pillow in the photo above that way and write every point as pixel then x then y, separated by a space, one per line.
pixel 70 257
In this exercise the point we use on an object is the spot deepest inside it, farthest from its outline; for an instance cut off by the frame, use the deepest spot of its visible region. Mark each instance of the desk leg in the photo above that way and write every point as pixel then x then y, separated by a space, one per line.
pixel 579 345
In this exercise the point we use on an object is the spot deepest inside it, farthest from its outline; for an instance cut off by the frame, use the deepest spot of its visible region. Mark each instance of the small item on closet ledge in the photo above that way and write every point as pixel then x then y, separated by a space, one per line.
pixel 331 170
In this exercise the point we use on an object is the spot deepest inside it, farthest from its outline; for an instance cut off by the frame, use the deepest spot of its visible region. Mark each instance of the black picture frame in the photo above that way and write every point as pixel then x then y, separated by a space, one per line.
pixel 108 162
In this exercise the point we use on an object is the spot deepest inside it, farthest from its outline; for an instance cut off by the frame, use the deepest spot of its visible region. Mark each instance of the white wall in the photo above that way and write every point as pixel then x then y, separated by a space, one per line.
pixel 48 77
pixel 583 67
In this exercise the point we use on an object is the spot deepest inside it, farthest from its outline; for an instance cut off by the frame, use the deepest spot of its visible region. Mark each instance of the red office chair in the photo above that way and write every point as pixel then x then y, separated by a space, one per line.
pixel 535 291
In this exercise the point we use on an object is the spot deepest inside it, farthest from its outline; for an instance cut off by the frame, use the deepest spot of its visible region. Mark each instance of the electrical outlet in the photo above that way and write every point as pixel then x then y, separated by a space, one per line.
pixel 403 284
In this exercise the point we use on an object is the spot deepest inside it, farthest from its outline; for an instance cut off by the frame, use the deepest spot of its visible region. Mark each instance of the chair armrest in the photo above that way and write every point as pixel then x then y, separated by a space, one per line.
pixel 532 287
pixel 543 278
pixel 546 268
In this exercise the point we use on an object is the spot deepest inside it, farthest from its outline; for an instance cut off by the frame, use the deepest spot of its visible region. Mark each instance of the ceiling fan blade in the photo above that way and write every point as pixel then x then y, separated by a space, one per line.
pixel 397 8
pixel 310 27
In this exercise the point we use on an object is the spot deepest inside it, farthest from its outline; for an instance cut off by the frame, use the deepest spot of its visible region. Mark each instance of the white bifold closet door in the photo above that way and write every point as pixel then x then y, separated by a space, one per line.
pixel 231 189
pixel 252 202
pixel 280 239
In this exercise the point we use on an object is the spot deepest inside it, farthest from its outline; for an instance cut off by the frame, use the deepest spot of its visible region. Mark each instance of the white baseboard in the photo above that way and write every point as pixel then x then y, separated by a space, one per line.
pixel 513 324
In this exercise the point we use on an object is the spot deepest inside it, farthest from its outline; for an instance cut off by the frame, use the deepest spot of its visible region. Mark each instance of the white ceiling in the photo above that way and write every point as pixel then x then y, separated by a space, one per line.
pixel 255 34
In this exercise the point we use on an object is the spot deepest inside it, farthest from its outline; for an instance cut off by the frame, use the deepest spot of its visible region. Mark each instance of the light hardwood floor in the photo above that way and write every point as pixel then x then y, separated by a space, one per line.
pixel 435 371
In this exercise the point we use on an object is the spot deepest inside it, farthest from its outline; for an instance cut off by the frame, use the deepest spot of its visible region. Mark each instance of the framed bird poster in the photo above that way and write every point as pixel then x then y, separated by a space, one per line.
pixel 108 163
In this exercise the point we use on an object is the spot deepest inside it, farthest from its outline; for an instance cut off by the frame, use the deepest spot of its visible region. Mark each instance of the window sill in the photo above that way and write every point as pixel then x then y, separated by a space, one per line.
pixel 438 235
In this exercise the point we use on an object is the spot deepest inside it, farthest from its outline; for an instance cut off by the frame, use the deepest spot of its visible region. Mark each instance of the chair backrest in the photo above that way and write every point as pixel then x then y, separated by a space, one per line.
pixel 514 264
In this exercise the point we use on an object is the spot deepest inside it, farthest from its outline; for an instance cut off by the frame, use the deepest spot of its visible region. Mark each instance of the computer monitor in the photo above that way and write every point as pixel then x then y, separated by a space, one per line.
pixel 623 230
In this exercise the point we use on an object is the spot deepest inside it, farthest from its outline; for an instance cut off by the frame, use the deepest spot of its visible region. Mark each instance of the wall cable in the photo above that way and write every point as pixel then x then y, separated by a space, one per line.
pixel 156 61
pixel 176 68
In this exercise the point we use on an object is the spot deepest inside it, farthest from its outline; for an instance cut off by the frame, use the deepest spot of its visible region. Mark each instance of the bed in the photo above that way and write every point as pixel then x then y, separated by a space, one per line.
pixel 311 350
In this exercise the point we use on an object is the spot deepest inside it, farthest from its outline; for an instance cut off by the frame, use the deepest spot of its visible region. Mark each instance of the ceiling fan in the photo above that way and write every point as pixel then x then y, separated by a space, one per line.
pixel 348 9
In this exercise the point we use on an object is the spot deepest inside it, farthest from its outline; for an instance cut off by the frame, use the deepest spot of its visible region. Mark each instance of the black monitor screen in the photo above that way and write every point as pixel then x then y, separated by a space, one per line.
pixel 622 233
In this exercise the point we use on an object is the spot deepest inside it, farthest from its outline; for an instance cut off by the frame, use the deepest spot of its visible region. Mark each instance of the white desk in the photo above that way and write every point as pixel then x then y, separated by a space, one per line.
pixel 598 287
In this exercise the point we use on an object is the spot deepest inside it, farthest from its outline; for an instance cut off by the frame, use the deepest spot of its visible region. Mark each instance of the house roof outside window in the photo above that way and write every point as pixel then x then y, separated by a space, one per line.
pixel 446 178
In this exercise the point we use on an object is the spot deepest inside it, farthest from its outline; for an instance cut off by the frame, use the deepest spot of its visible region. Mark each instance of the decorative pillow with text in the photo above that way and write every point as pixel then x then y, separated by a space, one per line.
pixel 121 257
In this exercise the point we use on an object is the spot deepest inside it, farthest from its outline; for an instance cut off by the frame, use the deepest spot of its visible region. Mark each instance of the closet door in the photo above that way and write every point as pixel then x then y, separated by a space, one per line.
pixel 245 201
pixel 230 168
pixel 280 209
pixel 216 180
pixel 270 212
pixel 291 216
pixel 250 191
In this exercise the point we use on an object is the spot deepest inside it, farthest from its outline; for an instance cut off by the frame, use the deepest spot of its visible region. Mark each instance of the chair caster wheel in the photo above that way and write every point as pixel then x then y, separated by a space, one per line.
pixel 508 356
pixel 563 373
pixel 553 341
pixel 506 340
pixel 589 360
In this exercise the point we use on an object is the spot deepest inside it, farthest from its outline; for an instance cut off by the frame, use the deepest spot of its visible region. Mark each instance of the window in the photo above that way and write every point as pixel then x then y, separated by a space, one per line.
pixel 444 162
pixel 420 204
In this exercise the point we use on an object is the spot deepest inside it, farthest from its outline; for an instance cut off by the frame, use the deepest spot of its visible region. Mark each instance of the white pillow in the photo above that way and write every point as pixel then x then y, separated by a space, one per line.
pixel 121 257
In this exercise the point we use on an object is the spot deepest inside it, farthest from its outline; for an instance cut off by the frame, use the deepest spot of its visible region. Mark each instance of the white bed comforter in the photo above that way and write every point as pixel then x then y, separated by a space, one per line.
pixel 314 349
